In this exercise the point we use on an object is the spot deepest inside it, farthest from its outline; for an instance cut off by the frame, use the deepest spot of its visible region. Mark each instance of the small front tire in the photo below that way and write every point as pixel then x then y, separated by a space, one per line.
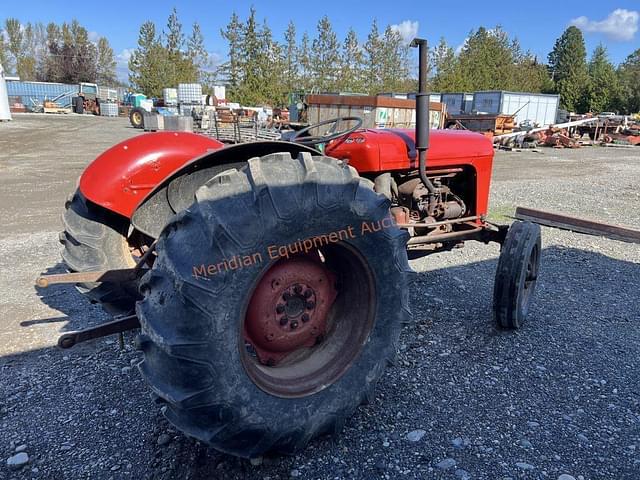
pixel 517 274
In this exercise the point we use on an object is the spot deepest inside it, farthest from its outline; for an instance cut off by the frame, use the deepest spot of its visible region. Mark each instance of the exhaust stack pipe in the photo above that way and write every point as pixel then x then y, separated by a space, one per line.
pixel 422 113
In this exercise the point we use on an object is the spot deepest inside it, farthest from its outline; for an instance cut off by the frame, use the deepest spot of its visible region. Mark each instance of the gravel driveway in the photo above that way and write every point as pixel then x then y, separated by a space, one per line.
pixel 464 400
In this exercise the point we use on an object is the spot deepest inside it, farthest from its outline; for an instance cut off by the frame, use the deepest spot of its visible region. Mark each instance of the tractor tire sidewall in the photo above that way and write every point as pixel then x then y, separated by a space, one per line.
pixel 132 115
pixel 209 394
pixel 94 239
pixel 508 291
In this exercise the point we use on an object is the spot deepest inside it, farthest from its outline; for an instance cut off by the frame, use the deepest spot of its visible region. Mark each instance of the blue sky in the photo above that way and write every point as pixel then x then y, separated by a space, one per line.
pixel 537 25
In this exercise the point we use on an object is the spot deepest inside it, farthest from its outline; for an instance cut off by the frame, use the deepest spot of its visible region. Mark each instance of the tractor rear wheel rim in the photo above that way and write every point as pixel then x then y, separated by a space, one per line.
pixel 301 335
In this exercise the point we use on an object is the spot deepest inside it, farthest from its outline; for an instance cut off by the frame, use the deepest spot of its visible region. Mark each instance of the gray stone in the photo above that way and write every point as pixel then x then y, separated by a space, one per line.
pixel 295 473
pixel 19 460
pixel 524 443
pixel 446 464
pixel 256 461
pixel 458 442
pixel 164 439
pixel 566 476
pixel 416 435
pixel 462 474
pixel 21 448
pixel 582 438
pixel 524 466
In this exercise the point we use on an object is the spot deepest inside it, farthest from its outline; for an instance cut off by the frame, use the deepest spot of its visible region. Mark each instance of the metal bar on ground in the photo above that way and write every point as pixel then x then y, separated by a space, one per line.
pixel 578 225
pixel 122 275
pixel 118 325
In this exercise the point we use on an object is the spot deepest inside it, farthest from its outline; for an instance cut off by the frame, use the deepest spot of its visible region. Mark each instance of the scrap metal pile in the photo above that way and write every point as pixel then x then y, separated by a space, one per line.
pixel 604 131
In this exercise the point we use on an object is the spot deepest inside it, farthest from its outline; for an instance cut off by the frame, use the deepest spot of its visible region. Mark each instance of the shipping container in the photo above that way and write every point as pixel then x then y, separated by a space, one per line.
pixel 376 112
pixel 454 103
pixel 538 108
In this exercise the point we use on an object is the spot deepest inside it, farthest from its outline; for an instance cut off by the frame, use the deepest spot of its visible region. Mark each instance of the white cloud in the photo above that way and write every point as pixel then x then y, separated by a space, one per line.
pixel 407 29
pixel 620 25
pixel 122 63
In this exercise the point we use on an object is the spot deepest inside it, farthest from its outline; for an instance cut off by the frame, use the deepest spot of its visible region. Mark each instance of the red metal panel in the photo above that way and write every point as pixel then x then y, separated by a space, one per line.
pixel 121 177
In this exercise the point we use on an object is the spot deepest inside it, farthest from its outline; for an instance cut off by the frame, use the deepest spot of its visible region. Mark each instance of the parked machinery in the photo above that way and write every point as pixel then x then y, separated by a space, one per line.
pixel 270 279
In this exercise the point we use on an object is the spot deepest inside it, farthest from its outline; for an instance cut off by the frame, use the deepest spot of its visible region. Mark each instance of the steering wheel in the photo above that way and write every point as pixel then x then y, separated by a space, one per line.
pixel 331 133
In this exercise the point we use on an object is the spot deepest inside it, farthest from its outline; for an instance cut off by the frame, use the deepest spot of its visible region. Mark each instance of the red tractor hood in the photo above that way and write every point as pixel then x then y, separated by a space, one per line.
pixel 394 149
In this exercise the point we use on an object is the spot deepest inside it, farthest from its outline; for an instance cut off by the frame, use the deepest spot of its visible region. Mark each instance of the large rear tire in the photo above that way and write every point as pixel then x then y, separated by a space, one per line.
pixel 95 239
pixel 196 330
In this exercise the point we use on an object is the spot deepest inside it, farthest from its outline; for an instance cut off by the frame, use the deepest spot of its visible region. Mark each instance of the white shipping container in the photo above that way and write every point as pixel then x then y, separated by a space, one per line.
pixel 539 108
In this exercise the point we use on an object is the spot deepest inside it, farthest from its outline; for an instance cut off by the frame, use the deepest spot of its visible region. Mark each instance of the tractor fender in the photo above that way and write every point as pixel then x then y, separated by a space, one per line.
pixel 176 192
pixel 122 177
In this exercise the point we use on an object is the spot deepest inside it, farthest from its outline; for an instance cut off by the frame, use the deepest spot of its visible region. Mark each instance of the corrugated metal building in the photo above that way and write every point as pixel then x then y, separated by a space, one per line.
pixel 538 108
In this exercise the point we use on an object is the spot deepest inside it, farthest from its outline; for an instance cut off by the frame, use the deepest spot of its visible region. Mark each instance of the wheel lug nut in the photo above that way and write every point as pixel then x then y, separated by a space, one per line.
pixel 307 293
pixel 310 305
pixel 280 308
pixel 305 317
pixel 297 289
pixel 294 325
pixel 284 321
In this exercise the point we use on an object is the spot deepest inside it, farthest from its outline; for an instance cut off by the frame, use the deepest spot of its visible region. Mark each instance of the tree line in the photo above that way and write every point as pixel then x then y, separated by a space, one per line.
pixel 56 53
pixel 260 69
pixel 263 68
pixel 489 60
pixel 166 58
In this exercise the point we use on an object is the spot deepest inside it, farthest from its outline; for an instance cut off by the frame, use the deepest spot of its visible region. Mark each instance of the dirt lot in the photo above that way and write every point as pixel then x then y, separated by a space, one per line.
pixel 561 396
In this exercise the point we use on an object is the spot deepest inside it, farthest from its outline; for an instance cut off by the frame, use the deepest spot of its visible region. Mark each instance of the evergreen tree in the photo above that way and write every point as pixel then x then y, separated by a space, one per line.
pixel 445 69
pixel 197 53
pixel 303 56
pixel 290 55
pixel 568 68
pixel 394 61
pixel 352 65
pixel 250 90
pixel 147 62
pixel 486 61
pixel 178 67
pixel 231 68
pixel 629 76
pixel 325 57
pixel 373 60
pixel 603 82
pixel 106 63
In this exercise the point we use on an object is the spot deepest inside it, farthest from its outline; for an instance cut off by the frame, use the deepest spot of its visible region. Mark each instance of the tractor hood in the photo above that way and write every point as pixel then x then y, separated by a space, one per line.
pixel 394 149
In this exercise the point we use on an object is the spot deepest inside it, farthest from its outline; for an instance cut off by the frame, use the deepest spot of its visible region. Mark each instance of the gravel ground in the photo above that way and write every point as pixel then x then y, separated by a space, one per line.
pixel 464 401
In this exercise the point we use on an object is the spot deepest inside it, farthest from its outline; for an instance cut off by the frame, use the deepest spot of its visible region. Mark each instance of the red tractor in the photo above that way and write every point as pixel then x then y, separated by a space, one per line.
pixel 270 279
